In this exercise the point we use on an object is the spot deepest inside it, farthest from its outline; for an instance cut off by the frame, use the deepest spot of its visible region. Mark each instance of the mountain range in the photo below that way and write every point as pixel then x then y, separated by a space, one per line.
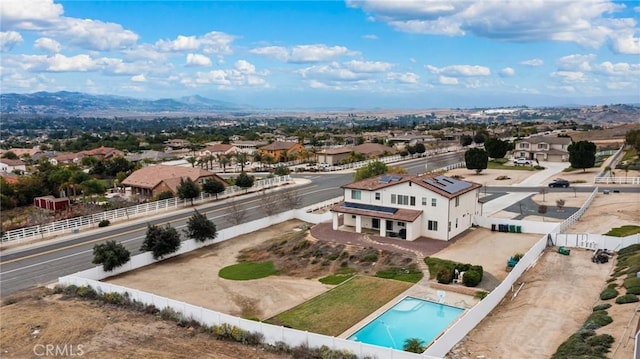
pixel 66 103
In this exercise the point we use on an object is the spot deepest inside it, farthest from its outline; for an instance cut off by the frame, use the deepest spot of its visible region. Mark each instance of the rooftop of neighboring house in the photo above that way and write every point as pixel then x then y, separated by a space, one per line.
pixel 12 163
pixel 554 140
pixel 279 146
pixel 369 149
pixel 446 186
pixel 149 154
pixel 151 176
pixel 64 157
pixel 22 151
pixel 336 150
pixel 103 151
pixel 218 148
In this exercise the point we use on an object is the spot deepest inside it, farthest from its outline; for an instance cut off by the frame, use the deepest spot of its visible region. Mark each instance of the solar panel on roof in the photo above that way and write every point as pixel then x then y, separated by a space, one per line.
pixel 448 184
pixel 369 207
pixel 385 179
pixel 395 178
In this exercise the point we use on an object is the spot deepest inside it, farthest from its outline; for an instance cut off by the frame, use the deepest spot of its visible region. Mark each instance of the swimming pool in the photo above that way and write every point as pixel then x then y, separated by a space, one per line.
pixel 409 318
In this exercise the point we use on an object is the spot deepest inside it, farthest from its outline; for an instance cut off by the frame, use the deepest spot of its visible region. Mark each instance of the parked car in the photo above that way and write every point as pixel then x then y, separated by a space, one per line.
pixel 521 161
pixel 559 182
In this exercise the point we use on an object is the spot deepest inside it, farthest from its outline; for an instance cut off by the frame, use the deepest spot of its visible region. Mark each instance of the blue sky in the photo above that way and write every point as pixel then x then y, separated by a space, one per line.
pixel 328 54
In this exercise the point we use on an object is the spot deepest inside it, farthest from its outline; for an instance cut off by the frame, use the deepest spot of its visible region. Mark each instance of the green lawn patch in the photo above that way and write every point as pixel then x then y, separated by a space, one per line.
pixel 623 231
pixel 248 270
pixel 492 165
pixel 410 275
pixel 629 155
pixel 342 307
pixel 339 276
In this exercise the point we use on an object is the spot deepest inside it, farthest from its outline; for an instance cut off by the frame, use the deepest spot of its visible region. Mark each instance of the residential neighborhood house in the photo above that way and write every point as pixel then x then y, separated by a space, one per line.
pixel 8 165
pixel 408 206
pixel 150 181
pixel 281 151
pixel 543 148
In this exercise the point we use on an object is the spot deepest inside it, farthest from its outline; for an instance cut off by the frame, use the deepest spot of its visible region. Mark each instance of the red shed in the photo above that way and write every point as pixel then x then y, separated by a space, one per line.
pixel 51 203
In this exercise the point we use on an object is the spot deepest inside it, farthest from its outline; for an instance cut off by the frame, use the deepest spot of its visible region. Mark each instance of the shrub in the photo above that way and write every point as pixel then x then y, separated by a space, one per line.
pixel 598 319
pixel 9 301
pixel 114 298
pixel 481 294
pixel 631 282
pixel 633 290
pixel 86 292
pixel 472 278
pixel 168 313
pixel 110 254
pixel 603 306
pixel 608 293
pixel 104 223
pixel 630 249
pixel 164 195
pixel 370 257
pixel 602 341
pixel 627 298
pixel 445 275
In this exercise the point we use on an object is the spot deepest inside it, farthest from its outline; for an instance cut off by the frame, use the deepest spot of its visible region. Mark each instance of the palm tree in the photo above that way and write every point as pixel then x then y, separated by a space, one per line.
pixel 224 161
pixel 413 345
pixel 241 158
pixel 192 160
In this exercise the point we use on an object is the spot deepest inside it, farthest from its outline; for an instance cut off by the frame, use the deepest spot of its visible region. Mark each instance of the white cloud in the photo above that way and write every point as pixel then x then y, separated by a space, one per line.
pixel 9 39
pixel 30 15
pixel 507 72
pixel 445 80
pixel 92 34
pixel 78 63
pixel 367 66
pixel 533 62
pixel 139 78
pixel 316 53
pixel 370 37
pixel 47 44
pixel 181 43
pixel 588 23
pixel 621 69
pixel 575 62
pixel 405 78
pixel 217 43
pixel 460 70
pixel 278 52
pixel 569 76
pixel 243 74
pixel 198 60
pixel 333 72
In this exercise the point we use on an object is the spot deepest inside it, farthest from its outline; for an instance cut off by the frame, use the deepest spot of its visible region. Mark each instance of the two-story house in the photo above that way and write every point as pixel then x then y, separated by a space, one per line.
pixel 281 151
pixel 543 148
pixel 408 206
pixel 9 165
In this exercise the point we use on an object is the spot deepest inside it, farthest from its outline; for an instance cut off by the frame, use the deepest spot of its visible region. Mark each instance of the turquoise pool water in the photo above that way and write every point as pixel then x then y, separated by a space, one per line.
pixel 409 318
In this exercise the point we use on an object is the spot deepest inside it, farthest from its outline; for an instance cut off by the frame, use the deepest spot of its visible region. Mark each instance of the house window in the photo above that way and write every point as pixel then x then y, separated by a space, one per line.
pixel 432 225
pixel 377 196
pixel 401 224
pixel 449 226
pixel 524 145
pixel 353 216
pixel 424 201
pixel 542 146
pixel 412 201
pixel 457 201
pixel 375 223
pixel 434 201
pixel 402 199
pixel 456 223
pixel 356 194
pixel 393 199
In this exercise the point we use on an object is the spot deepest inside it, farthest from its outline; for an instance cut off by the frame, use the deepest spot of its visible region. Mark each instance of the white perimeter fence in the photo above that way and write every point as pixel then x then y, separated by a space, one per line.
pixel 272 333
pixel 77 223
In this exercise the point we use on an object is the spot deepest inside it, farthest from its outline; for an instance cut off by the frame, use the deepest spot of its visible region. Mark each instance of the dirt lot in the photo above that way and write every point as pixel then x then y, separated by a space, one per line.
pixel 87 330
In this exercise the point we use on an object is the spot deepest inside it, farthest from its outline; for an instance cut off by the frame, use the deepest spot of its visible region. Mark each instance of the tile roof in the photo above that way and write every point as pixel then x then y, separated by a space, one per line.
pixel 152 176
pixel 218 148
pixel 374 183
pixel 401 214
pixel 336 151
pixel 278 146
pixel 11 162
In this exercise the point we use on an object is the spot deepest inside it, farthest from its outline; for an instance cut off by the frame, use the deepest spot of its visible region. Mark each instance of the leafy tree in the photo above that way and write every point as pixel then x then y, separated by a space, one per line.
pixel 495 147
pixel 632 138
pixel 466 140
pixel 479 138
pixel 420 149
pixel 161 241
pixel 213 187
pixel 582 154
pixel 371 169
pixel 282 170
pixel 111 255
pixel 164 195
pixel 93 187
pixel 542 209
pixel 200 228
pixel 411 149
pixel 10 155
pixel 188 189
pixel 476 159
pixel 244 180
pixel 241 159
pixel 414 345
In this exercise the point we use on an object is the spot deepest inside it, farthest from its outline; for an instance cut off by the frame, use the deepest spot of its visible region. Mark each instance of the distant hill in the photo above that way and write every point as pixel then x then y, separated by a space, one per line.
pixel 66 103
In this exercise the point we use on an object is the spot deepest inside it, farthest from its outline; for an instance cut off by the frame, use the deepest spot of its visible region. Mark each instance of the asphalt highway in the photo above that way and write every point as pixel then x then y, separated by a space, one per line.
pixel 43 263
